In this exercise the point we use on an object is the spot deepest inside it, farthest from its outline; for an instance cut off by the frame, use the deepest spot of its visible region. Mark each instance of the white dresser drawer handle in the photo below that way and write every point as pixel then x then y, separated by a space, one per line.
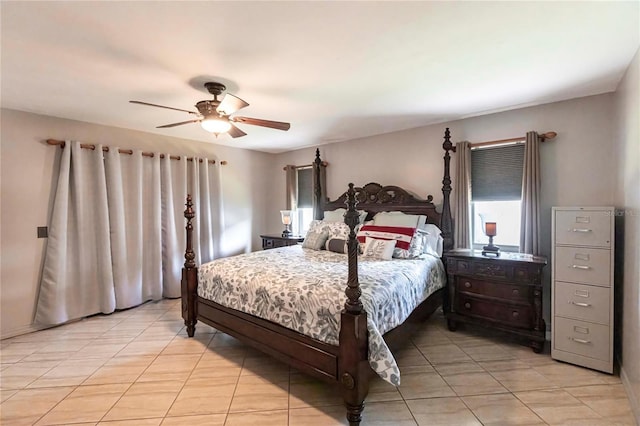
pixel 584 305
pixel 581 230
pixel 585 342
pixel 581 267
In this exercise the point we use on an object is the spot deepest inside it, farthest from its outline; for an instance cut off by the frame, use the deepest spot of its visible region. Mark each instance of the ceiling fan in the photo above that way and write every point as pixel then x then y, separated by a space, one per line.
pixel 214 115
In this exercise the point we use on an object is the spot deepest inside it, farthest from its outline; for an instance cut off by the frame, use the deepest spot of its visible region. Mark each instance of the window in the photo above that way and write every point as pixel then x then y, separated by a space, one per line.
pixel 304 197
pixel 496 194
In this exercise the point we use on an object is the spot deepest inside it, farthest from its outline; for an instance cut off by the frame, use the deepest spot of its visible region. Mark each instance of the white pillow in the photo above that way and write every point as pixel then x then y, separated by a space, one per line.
pixel 337 215
pixel 379 249
pixel 396 219
pixel 430 228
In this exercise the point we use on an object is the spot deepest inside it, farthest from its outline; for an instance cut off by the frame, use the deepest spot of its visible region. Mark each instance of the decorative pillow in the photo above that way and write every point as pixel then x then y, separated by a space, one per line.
pixel 337 245
pixel 338 215
pixel 334 229
pixel 315 239
pixel 402 235
pixel 416 247
pixel 379 249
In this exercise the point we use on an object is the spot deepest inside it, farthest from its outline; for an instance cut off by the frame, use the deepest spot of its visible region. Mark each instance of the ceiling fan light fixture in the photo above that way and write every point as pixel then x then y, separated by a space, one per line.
pixel 215 125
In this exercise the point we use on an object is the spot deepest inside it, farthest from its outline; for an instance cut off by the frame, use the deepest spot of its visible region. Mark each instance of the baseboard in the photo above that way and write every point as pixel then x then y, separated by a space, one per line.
pixel 634 401
pixel 23 330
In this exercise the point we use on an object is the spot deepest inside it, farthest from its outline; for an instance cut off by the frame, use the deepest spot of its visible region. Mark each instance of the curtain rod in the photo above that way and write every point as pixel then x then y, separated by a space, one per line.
pixel 543 137
pixel 306 166
pixel 125 151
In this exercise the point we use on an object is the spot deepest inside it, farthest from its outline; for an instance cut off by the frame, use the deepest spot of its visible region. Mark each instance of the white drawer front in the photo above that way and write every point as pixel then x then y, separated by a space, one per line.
pixel 584 302
pixel 583 265
pixel 584 228
pixel 582 338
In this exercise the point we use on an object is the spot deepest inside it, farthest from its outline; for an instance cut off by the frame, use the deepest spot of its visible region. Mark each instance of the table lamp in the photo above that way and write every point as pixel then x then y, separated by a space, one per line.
pixel 286 221
pixel 490 230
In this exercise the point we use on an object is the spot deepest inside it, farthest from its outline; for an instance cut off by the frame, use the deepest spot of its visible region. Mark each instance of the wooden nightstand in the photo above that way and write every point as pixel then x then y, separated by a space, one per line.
pixel 503 293
pixel 273 240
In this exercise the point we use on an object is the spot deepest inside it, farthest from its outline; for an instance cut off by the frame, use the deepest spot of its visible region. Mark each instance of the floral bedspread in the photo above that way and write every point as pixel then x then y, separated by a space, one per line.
pixel 303 289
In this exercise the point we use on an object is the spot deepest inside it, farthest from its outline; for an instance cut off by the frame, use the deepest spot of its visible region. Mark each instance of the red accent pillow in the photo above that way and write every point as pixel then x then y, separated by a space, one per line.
pixel 402 235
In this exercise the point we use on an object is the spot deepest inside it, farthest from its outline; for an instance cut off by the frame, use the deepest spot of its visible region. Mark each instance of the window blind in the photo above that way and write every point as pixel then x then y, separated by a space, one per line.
pixel 305 188
pixel 496 173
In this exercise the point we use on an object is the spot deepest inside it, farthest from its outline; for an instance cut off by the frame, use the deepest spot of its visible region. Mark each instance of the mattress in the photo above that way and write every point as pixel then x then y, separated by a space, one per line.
pixel 303 290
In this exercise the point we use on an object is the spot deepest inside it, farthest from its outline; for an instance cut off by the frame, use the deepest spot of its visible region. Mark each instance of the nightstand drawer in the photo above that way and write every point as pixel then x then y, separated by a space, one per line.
pixel 583 265
pixel 515 315
pixel 494 289
pixel 582 338
pixel 583 302
pixel 268 244
pixel 584 228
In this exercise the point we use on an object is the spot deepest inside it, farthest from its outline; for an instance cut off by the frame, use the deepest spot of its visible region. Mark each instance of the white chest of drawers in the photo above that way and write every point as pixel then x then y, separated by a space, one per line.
pixel 582 286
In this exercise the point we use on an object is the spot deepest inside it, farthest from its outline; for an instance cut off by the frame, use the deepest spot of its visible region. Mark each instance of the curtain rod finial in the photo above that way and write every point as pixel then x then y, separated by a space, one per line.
pixel 548 135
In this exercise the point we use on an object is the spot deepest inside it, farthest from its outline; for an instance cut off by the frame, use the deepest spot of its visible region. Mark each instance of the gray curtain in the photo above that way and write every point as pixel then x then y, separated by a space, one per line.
pixel 116 235
pixel 291 187
pixel 462 196
pixel 77 279
pixel 530 218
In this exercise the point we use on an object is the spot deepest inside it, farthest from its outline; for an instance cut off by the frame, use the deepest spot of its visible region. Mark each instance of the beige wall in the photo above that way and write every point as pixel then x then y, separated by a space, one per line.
pixel 576 166
pixel 28 170
pixel 627 197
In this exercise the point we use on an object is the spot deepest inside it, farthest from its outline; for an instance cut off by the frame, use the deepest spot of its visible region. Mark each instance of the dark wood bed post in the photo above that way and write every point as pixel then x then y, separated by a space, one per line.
pixel 189 283
pixel 353 368
pixel 446 221
pixel 317 189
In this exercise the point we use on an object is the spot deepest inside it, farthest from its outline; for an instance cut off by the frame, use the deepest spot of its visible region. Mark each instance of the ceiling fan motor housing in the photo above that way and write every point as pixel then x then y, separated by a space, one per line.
pixel 208 108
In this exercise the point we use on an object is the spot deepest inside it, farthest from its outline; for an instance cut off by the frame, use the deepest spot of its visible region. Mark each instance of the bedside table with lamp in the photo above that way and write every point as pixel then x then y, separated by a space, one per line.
pixel 287 238
pixel 496 290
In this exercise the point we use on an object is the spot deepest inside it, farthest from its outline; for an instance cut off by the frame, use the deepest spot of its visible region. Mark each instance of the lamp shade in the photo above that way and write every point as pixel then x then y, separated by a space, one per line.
pixel 215 125
pixel 490 228
pixel 286 217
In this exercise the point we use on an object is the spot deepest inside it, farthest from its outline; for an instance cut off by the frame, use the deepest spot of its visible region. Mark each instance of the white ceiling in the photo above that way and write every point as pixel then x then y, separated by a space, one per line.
pixel 335 70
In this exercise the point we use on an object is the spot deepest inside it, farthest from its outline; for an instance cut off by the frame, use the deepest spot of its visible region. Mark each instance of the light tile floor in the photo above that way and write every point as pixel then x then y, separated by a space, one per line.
pixel 137 367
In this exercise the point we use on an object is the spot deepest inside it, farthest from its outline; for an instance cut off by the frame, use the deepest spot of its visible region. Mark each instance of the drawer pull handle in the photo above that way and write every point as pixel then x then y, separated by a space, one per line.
pixel 516 292
pixel 585 342
pixel 467 305
pixel 586 268
pixel 467 284
pixel 581 230
pixel 515 314
pixel 584 305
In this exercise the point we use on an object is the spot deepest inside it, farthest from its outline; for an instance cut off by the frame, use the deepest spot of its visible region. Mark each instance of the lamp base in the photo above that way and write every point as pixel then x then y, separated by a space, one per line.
pixel 491 250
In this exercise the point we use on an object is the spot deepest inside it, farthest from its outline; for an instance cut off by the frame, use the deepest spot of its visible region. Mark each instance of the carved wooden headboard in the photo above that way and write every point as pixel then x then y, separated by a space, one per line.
pixel 375 198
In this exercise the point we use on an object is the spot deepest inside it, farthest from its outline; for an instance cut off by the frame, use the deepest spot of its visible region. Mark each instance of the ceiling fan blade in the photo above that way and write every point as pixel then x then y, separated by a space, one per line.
pixel 230 104
pixel 234 132
pixel 279 125
pixel 177 124
pixel 162 106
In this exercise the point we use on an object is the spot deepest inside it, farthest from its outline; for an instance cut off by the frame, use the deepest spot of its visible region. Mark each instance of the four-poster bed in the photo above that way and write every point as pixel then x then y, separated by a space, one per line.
pixel 347 361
